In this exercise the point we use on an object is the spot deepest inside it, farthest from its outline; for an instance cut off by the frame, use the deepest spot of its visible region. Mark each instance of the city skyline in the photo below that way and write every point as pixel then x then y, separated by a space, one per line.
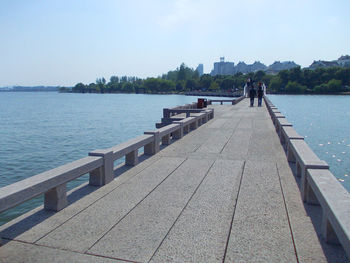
pixel 66 42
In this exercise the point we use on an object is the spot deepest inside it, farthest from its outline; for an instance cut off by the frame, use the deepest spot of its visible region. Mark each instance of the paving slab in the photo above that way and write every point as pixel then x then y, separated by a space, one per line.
pixel 260 238
pixel 20 252
pixel 216 143
pixel 201 232
pixel 238 145
pixel 260 230
pixel 140 233
pixel 83 230
pixel 216 124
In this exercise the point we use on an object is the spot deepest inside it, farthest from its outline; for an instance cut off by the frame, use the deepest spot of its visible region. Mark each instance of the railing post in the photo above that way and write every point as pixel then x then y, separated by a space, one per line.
pixel 194 125
pixel 56 198
pixel 166 139
pixel 132 158
pixel 104 174
pixel 327 230
pixel 311 198
pixel 153 147
pixel 166 113
pixel 179 133
pixel 290 154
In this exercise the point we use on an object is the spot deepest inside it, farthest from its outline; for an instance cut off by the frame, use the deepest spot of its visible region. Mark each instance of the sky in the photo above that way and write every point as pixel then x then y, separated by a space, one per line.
pixel 63 42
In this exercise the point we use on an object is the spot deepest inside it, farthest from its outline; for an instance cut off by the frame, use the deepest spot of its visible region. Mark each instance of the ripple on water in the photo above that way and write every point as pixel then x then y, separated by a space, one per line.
pixel 327 141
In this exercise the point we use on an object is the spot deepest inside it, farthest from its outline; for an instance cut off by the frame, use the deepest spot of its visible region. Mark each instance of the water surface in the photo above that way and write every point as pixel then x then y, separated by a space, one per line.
pixel 324 120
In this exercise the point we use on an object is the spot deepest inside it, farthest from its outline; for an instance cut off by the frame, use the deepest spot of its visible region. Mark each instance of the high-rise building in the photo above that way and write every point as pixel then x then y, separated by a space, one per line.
pixel 223 68
pixel 200 69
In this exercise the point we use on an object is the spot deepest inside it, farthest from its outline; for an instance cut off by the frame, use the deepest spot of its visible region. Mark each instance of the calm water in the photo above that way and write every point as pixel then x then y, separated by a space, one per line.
pixel 40 131
pixel 324 120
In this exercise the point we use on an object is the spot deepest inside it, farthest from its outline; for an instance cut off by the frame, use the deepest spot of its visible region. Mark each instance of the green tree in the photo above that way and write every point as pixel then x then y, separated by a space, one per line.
pixel 295 74
pixel 205 81
pixel 128 87
pixel 259 75
pixel 227 83
pixel 182 72
pixel 167 86
pixel 93 88
pixel 284 77
pixel 80 87
pixel 335 85
pixel 295 87
pixel 114 79
pixel 190 85
pixel 214 86
pixel 275 84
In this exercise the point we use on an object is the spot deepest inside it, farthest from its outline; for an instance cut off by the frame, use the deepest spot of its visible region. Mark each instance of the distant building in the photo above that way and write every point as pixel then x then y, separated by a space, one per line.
pixel 343 61
pixel 256 66
pixel 200 69
pixel 278 66
pixel 223 68
pixel 229 68
pixel 323 64
pixel 241 67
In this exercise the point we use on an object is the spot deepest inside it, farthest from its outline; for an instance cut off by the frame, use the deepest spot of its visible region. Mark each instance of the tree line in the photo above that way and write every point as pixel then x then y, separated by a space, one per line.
pixel 184 79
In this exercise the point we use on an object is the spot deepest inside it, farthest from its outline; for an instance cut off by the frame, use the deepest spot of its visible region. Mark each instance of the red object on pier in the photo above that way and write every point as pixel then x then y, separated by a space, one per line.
pixel 202 103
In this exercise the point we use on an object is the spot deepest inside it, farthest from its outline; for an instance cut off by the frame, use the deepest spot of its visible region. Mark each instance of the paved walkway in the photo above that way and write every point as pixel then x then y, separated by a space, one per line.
pixel 223 193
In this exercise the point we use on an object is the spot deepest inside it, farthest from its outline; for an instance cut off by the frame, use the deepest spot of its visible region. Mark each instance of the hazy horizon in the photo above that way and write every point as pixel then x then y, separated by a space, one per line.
pixel 62 42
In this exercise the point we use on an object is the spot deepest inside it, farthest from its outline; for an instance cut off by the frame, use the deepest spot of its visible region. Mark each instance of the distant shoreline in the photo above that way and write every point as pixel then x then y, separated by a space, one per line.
pixel 177 93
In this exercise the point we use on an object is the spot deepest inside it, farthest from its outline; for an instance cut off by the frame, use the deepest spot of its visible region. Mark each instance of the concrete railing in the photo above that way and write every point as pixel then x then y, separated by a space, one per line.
pixel 52 183
pixel 210 102
pixel 318 185
pixel 236 93
pixel 239 99
pixel 233 102
pixel 176 114
pixel 99 164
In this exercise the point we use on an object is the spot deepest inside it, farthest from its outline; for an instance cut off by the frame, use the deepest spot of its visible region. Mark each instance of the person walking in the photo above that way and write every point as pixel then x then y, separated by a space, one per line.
pixel 252 94
pixel 260 94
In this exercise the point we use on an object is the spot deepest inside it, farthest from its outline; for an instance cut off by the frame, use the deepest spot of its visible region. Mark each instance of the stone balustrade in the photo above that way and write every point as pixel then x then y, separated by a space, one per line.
pixel 318 185
pixel 52 183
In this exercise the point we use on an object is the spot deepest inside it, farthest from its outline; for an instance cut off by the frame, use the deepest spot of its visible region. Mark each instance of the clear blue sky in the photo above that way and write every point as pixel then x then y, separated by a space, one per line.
pixel 63 42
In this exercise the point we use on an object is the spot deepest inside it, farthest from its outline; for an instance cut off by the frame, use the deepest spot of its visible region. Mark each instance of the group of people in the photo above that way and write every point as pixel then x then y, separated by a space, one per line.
pixel 253 92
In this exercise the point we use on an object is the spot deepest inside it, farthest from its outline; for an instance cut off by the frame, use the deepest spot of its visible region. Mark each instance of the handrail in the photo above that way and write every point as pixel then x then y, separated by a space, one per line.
pixel 167 113
pixel 221 101
pixel 318 185
pixel 49 182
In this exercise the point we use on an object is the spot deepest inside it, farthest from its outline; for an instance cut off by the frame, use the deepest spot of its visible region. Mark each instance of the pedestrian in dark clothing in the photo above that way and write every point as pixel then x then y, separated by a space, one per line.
pixel 260 94
pixel 252 94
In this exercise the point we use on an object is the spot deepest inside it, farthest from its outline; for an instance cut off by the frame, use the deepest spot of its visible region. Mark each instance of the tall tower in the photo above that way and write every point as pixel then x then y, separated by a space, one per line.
pixel 200 69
